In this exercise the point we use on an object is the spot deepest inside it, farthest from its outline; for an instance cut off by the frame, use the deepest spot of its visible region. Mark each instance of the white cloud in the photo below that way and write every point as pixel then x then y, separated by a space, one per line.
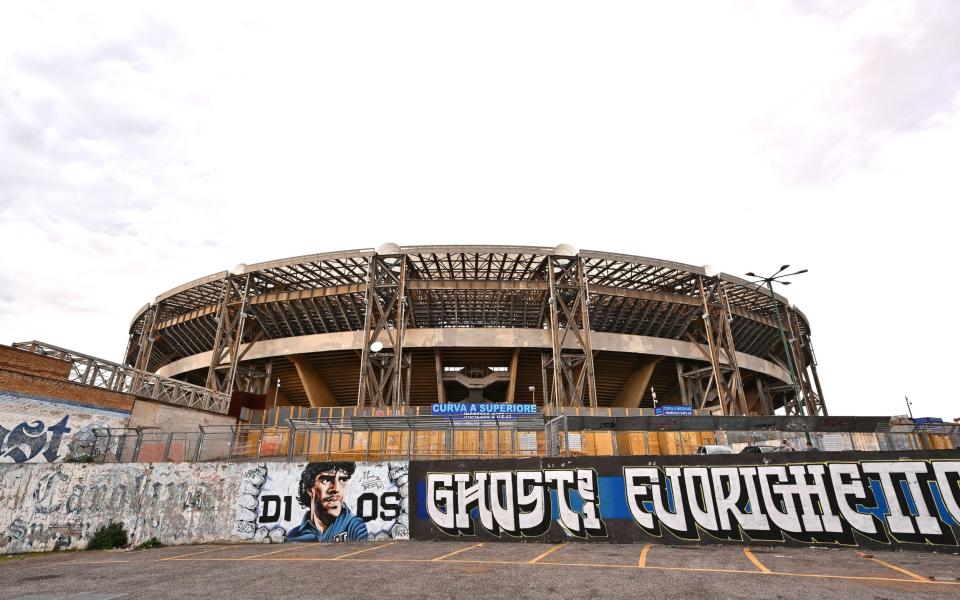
pixel 146 147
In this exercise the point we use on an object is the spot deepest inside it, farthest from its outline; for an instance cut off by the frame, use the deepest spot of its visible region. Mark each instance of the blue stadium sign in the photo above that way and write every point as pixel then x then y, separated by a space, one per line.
pixel 482 410
pixel 669 410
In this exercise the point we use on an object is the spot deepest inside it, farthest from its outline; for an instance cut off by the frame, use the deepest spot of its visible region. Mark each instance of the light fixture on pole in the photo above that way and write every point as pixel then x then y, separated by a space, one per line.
pixel 276 394
pixel 533 394
pixel 779 277
pixel 909 406
pixel 653 393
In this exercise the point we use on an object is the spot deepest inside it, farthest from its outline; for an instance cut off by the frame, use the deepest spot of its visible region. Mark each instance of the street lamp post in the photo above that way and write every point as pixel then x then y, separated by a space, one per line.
pixel 768 281
pixel 533 394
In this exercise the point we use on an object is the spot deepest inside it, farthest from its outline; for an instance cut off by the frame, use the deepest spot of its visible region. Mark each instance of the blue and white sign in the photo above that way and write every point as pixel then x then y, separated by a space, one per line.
pixel 669 410
pixel 482 410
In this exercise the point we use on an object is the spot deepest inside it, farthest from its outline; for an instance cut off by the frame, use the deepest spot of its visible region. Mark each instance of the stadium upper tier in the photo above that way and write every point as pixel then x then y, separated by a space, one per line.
pixel 458 298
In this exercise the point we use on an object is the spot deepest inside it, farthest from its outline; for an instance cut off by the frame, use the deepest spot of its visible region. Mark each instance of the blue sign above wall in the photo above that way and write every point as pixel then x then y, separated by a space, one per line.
pixel 482 410
pixel 668 410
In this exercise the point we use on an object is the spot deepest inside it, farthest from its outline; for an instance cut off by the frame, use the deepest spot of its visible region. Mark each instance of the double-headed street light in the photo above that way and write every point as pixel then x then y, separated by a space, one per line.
pixel 779 277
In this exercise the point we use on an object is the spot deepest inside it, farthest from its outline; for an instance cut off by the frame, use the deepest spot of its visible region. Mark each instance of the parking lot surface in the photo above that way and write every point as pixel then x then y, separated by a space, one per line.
pixel 501 570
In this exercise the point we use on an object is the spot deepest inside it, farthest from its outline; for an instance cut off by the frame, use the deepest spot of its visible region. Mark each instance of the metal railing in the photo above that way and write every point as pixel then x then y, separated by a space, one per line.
pixel 401 438
pixel 96 372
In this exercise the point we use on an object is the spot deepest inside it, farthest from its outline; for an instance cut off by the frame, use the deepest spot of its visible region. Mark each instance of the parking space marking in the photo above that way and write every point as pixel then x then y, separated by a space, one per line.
pixel 452 557
pixel 179 556
pixel 287 549
pixel 642 563
pixel 753 559
pixel 545 554
pixel 365 550
pixel 96 562
pixel 892 566
pixel 455 552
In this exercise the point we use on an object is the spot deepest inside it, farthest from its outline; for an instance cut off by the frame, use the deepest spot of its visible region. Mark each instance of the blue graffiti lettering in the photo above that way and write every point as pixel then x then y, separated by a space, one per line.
pixel 28 440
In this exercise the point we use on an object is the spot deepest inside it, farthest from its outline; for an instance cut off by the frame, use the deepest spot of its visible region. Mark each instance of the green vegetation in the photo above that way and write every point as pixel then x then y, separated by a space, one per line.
pixel 108 536
pixel 151 543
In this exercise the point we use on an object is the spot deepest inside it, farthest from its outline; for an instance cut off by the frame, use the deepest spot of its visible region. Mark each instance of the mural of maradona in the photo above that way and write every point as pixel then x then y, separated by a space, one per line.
pixel 327 501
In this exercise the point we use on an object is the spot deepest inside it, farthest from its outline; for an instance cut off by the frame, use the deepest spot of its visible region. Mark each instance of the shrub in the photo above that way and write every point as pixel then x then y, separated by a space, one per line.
pixel 108 536
pixel 151 543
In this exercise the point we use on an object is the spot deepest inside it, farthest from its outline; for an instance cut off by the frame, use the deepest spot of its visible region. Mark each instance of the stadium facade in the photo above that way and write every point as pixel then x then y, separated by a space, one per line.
pixel 417 325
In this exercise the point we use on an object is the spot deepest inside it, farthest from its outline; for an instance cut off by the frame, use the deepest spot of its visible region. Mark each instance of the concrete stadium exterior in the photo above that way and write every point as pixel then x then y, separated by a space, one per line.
pixel 416 325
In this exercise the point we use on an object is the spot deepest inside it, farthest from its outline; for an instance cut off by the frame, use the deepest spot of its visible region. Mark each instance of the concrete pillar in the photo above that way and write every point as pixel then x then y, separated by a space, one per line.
pixel 632 391
pixel 512 386
pixel 317 391
pixel 438 365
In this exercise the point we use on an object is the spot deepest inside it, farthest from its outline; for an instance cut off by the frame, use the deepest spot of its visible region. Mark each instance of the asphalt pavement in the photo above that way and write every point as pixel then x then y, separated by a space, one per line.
pixel 470 570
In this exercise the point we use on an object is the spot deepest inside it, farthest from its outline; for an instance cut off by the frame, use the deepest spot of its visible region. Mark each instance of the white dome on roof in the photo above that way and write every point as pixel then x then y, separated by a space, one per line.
pixel 566 250
pixel 388 248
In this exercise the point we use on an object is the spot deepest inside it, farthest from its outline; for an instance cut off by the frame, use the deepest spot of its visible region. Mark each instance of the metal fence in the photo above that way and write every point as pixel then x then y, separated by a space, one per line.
pixel 425 438
pixel 104 374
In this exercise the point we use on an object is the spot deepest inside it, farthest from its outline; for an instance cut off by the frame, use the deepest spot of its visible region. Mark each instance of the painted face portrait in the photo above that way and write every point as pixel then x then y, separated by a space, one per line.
pixel 328 491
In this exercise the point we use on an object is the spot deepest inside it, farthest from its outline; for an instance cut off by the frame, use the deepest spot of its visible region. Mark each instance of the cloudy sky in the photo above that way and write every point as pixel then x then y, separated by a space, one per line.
pixel 145 146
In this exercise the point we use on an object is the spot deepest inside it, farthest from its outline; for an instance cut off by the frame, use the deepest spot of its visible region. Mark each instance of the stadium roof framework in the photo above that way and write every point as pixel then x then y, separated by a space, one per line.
pixel 413 325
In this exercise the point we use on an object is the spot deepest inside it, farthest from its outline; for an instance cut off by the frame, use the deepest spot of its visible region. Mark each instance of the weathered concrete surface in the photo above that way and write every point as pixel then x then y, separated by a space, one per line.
pixel 473 338
pixel 61 505
pixel 45 430
pixel 47 507
pixel 158 416
pixel 462 570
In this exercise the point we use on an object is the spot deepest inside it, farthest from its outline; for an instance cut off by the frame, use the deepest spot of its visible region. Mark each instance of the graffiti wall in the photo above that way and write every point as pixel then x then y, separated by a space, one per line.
pixel 323 502
pixel 852 499
pixel 41 430
pixel 902 499
pixel 58 506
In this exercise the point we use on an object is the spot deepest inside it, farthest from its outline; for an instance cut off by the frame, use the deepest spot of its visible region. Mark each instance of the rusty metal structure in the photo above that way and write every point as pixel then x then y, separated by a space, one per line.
pixel 411 326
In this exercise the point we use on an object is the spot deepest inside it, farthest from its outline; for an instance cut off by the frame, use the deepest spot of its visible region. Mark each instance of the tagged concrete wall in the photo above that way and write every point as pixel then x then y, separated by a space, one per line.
pixel 61 505
pixel 49 507
pixel 50 430
pixel 871 499
pixel 867 499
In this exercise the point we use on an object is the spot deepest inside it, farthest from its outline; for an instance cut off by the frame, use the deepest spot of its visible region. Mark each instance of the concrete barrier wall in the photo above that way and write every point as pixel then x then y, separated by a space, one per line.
pixel 904 499
pixel 56 506
pixel 48 429
pixel 838 498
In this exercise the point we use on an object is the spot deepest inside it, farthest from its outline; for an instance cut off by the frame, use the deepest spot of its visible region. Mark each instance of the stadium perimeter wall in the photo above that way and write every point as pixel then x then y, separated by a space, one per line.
pixel 46 418
pixel 866 499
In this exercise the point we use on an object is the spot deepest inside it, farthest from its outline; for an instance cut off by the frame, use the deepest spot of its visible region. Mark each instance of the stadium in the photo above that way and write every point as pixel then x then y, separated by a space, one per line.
pixel 469 394
pixel 404 327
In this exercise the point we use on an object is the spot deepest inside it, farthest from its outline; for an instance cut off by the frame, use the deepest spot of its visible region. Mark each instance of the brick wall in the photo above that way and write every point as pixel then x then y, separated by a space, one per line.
pixel 41 387
pixel 21 361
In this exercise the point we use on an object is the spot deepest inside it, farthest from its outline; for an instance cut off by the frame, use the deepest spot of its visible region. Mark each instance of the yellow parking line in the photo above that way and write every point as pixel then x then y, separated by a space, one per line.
pixel 892 566
pixel 643 557
pixel 455 552
pixel 753 559
pixel 365 550
pixel 545 554
pixel 97 562
pixel 917 580
pixel 288 548
pixel 179 556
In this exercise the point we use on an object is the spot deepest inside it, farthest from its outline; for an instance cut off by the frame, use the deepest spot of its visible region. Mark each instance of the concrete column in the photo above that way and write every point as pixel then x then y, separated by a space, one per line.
pixel 438 365
pixel 632 391
pixel 512 386
pixel 313 384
